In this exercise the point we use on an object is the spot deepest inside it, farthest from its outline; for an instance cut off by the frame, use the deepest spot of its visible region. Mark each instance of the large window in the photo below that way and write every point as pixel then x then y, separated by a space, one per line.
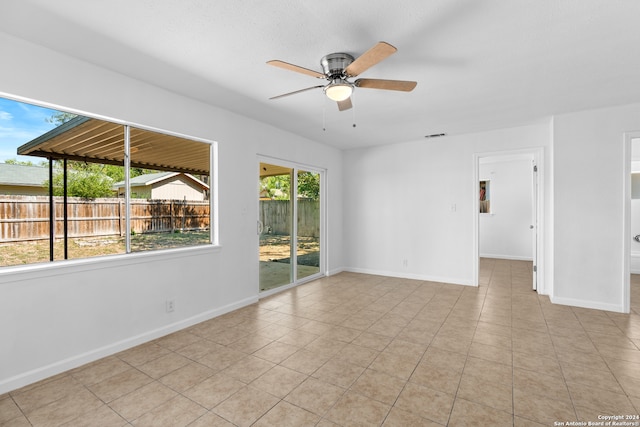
pixel 75 187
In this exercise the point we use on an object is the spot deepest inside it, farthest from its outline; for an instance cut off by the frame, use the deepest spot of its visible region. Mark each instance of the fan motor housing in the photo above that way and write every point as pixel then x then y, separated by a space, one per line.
pixel 333 65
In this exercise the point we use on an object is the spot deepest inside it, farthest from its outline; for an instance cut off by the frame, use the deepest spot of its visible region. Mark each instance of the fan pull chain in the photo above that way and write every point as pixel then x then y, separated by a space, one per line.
pixel 353 110
pixel 324 119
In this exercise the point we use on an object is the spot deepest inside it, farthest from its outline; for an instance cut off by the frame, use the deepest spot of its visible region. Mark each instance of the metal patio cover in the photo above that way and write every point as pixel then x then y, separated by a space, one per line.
pixel 98 141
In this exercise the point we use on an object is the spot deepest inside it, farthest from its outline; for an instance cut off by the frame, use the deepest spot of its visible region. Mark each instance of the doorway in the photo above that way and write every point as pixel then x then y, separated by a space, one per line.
pixel 508 224
pixel 631 236
pixel 290 222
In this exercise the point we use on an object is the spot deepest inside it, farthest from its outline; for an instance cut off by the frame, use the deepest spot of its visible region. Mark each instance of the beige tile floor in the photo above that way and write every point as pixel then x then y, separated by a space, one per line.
pixel 364 350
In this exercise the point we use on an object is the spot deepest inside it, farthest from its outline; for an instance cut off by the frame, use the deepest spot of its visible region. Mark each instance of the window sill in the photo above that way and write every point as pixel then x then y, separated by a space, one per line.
pixel 47 269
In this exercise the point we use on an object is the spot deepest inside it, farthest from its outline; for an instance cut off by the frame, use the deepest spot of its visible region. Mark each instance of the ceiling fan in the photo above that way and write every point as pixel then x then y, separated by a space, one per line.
pixel 338 68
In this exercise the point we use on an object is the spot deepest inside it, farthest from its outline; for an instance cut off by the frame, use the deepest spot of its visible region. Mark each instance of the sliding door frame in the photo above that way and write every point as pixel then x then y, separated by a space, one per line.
pixel 297 167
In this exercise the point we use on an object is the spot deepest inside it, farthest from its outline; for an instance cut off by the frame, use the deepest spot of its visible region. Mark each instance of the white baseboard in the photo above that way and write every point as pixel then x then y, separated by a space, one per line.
pixel 403 275
pixel 587 304
pixel 335 271
pixel 58 367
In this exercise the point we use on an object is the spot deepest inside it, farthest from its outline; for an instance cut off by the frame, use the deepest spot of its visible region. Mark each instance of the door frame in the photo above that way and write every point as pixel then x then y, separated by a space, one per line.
pixel 626 214
pixel 296 166
pixel 537 154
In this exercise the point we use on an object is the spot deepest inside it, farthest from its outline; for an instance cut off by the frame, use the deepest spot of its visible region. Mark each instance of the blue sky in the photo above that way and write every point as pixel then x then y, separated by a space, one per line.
pixel 19 124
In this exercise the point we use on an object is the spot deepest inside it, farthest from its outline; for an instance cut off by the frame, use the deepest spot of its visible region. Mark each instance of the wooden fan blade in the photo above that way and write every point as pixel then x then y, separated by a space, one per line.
pixel 370 58
pixel 402 85
pixel 345 105
pixel 297 91
pixel 296 68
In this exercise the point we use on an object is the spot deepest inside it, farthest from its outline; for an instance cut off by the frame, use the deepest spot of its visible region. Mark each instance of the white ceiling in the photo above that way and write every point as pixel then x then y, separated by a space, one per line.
pixel 479 64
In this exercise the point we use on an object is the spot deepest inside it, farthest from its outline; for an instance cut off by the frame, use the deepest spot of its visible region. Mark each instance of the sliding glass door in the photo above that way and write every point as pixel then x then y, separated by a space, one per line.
pixel 289 225
pixel 275 223
pixel 308 224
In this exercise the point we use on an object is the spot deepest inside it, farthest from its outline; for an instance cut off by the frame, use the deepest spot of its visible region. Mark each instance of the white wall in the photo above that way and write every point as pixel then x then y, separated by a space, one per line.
pixel 403 210
pixel 64 314
pixel 504 232
pixel 414 201
pixel 399 199
pixel 588 204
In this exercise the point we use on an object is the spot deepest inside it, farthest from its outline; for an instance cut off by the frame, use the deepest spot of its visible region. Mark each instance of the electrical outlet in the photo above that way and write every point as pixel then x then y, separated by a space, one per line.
pixel 170 305
pixel 405 263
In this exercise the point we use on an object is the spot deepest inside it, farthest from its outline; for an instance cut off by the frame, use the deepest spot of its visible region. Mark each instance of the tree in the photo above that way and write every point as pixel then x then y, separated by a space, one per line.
pixel 86 180
pixel 278 187
pixel 85 184
pixel 115 172
pixel 60 117
pixel 24 163
pixel 89 180
pixel 309 185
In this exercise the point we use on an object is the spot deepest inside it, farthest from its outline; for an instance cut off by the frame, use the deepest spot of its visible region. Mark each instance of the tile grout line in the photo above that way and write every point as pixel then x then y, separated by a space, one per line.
pixel 466 359
pixel 419 361
pixel 604 359
pixel 370 363
pixel 458 308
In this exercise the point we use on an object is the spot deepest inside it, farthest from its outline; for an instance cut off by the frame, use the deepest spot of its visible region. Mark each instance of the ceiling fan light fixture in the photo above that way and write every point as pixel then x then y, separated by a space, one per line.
pixel 338 67
pixel 338 90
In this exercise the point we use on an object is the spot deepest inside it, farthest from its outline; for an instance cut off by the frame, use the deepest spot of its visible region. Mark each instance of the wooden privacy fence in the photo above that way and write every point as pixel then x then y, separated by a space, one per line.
pixel 24 218
pixel 275 215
